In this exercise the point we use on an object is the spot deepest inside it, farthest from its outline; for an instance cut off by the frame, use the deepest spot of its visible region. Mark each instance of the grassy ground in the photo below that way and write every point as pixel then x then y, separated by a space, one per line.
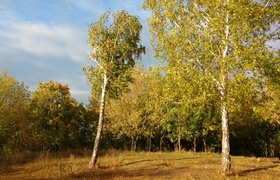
pixel 137 165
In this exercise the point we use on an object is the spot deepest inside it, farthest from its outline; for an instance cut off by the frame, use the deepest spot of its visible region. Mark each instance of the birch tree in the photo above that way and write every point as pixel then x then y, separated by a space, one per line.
pixel 114 49
pixel 220 40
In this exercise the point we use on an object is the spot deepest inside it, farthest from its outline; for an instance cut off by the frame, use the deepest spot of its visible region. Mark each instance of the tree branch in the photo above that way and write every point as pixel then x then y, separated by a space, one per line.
pixel 90 57
pixel 203 12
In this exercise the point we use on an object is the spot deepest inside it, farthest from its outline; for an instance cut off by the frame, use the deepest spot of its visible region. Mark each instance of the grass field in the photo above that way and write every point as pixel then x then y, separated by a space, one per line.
pixel 136 165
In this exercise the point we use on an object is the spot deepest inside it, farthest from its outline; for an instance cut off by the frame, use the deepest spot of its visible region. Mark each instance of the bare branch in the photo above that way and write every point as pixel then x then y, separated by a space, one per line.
pixel 203 12
pixel 177 24
pixel 93 51
pixel 265 5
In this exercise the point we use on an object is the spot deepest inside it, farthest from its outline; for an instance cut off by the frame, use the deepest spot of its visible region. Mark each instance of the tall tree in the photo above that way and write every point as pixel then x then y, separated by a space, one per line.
pixel 125 113
pixel 54 115
pixel 137 113
pixel 14 120
pixel 220 39
pixel 114 49
pixel 152 107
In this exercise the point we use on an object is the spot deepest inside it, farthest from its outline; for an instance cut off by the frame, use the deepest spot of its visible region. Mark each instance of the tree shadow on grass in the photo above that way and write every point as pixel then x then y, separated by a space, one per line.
pixel 117 171
pixel 112 173
pixel 245 172
pixel 9 170
pixel 141 161
pixel 147 160
pixel 125 164
pixel 135 162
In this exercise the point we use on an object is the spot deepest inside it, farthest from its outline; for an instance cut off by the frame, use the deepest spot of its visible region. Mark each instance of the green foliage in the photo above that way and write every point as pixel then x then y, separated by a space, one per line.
pixel 58 121
pixel 13 113
pixel 49 119
pixel 114 50
pixel 125 114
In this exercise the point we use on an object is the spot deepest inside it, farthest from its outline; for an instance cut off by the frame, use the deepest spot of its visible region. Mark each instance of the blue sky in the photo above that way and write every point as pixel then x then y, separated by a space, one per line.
pixel 42 40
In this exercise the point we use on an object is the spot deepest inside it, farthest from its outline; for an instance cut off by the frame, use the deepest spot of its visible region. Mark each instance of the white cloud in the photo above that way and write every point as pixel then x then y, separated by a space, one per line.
pixel 37 52
pixel 77 92
pixel 43 40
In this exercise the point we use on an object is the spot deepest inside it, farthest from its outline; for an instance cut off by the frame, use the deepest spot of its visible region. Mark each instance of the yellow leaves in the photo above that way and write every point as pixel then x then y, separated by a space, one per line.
pixel 118 49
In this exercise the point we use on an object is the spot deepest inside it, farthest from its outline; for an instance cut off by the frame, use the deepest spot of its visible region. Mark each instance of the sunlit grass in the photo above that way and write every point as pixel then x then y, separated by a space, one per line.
pixel 138 165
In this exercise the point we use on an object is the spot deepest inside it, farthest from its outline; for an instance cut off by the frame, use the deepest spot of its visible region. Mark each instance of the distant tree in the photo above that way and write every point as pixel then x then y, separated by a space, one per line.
pixel 56 117
pixel 268 114
pixel 14 119
pixel 137 113
pixel 114 49
pixel 88 123
pixel 152 105
pixel 125 114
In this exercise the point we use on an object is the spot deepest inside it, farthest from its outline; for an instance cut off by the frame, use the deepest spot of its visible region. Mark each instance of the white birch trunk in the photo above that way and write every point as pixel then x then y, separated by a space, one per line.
pixel 226 160
pixel 94 156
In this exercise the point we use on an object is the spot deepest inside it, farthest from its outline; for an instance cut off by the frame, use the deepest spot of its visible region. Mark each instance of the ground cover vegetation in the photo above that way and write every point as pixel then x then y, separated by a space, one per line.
pixel 134 165
pixel 217 71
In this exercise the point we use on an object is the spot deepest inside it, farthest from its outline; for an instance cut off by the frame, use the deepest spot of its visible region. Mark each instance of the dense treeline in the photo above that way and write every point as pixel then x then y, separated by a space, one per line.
pixel 46 119
pixel 149 116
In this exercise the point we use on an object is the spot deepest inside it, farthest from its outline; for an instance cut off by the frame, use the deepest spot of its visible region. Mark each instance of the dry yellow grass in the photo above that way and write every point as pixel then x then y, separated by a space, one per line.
pixel 141 165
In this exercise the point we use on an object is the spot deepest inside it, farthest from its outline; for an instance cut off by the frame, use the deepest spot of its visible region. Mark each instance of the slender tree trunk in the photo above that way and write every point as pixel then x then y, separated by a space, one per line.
pixel 133 143
pixel 179 140
pixel 226 159
pixel 160 143
pixel 149 144
pixel 94 156
pixel 175 146
pixel 194 143
pixel 267 152
pixel 204 145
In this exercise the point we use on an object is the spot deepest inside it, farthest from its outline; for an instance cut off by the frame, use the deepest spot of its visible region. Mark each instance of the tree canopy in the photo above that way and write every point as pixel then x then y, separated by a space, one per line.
pixel 114 50
pixel 221 42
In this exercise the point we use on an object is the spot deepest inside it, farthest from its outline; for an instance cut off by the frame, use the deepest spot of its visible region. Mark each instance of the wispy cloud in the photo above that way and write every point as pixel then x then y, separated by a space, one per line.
pixel 47 40
pixel 43 40
pixel 37 52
